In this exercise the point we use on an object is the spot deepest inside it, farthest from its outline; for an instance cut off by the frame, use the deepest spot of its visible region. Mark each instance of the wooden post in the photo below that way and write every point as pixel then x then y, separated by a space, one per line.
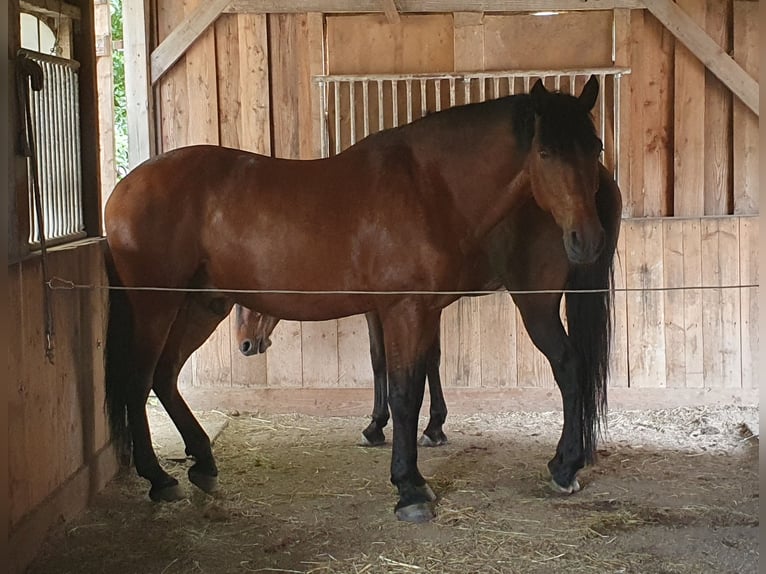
pixel 105 83
pixel 140 110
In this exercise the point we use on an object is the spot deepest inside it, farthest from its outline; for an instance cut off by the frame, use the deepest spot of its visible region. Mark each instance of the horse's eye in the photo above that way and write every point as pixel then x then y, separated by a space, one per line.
pixel 544 154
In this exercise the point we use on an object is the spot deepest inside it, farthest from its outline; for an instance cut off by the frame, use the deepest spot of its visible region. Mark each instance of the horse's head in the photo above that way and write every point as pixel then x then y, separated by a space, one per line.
pixel 563 166
pixel 253 331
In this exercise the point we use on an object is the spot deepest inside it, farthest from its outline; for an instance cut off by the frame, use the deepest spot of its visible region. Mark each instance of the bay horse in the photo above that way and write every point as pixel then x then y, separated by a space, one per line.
pixel 589 314
pixel 394 225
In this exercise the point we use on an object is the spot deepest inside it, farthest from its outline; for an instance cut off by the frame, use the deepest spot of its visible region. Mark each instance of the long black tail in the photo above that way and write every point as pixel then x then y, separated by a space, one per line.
pixel 589 319
pixel 119 337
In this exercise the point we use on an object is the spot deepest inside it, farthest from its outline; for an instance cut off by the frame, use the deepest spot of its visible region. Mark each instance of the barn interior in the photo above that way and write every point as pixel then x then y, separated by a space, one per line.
pixel 678 114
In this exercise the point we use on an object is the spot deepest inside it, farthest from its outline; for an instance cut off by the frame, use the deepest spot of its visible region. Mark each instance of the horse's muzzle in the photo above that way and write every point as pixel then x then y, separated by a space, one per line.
pixel 584 248
pixel 250 347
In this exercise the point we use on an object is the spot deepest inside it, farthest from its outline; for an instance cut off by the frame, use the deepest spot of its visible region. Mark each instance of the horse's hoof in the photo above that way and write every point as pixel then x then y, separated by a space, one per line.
pixel 204 482
pixel 419 512
pixel 426 440
pixel 372 440
pixel 169 493
pixel 570 489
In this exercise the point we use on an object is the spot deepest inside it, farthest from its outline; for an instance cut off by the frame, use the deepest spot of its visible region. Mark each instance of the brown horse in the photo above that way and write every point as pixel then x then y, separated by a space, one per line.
pixel 509 244
pixel 387 226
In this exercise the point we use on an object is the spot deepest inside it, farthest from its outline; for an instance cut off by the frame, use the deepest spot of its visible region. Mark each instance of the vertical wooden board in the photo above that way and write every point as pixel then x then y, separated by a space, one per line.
pixel 746 136
pixel 255 113
pixel 284 359
pixel 622 58
pixel 749 247
pixel 498 341
pixel 368 44
pixel 469 346
pixel 354 363
pixel 229 83
pixel 98 303
pixel 632 145
pixel 718 110
pixel 533 369
pixel 320 354
pixel 313 62
pixel 19 450
pixel 721 307
pixel 173 105
pixel 212 360
pixel 40 422
pixel 618 360
pixel 282 48
pixel 644 271
pixel 650 138
pixel 673 276
pixel 469 41
pixel 450 345
pixel 692 304
pixel 567 40
pixel 105 86
pixel 689 123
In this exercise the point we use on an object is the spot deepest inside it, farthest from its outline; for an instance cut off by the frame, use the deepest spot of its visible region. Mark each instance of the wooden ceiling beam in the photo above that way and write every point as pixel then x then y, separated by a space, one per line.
pixel 404 6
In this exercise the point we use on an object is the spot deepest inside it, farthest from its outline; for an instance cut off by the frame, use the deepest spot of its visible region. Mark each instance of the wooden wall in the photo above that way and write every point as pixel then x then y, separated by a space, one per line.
pixel 688 175
pixel 56 423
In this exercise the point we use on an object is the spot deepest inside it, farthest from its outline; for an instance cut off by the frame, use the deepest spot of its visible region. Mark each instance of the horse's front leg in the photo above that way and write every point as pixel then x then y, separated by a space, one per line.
pixel 409 333
pixel 541 318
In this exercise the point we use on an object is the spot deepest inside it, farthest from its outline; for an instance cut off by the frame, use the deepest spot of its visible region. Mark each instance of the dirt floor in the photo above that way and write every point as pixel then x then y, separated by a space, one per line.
pixel 674 491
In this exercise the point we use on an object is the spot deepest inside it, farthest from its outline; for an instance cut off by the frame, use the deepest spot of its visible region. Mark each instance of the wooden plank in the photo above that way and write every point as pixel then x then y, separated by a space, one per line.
pixel 748 275
pixel 622 58
pixel 721 307
pixel 746 136
pixel 650 155
pixel 19 483
pixel 618 361
pixel 320 354
pixel 105 83
pixel 689 124
pixel 421 43
pixel 255 112
pixel 376 6
pixel 212 360
pixel 718 110
pixel 449 330
pixel 138 92
pixel 707 50
pixel 51 8
pixel 173 100
pixel 469 41
pixel 195 23
pixel 644 271
pixel 354 363
pixel 683 310
pixel 497 319
pixel 469 345
pixel 284 359
pixel 571 40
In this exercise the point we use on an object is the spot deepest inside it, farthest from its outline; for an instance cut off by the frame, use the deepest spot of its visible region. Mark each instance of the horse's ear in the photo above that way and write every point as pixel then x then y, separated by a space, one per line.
pixel 589 94
pixel 538 93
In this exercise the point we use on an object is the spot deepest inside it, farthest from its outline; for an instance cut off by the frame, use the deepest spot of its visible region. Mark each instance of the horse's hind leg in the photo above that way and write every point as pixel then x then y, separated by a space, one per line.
pixel 434 433
pixel 196 320
pixel 153 315
pixel 540 313
pixel 373 434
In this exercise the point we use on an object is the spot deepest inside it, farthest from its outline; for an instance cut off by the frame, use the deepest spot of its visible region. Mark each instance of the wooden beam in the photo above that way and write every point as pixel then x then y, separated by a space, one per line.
pixel 441 6
pixel 179 40
pixel 391 11
pixel 50 8
pixel 680 24
pixel 138 92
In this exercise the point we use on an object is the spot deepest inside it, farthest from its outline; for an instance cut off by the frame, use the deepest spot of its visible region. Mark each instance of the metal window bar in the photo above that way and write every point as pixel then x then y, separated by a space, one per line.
pixel 476 87
pixel 56 128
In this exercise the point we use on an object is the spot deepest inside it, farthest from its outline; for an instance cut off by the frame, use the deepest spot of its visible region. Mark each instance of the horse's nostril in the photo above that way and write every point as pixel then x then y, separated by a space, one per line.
pixel 575 238
pixel 246 347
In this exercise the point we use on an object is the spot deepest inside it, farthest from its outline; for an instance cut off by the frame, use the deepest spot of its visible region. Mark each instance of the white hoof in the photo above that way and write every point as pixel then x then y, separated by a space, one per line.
pixel 572 488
